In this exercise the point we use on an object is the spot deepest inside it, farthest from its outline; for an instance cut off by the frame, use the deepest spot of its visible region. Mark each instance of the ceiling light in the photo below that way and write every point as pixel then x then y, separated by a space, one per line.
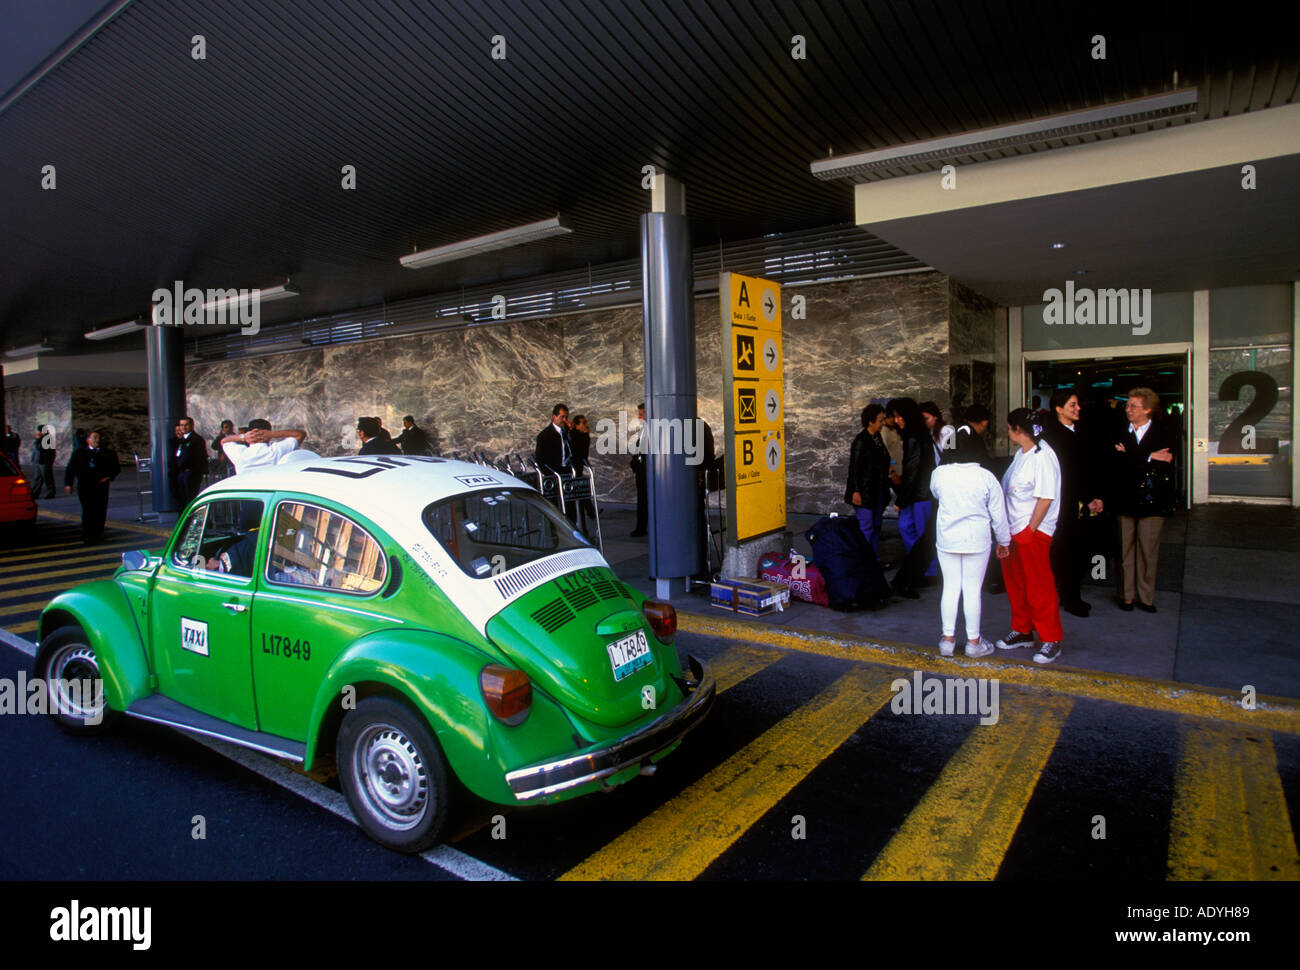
pixel 30 350
pixel 267 295
pixel 116 330
pixel 485 244
pixel 1058 245
pixel 1050 132
pixel 611 298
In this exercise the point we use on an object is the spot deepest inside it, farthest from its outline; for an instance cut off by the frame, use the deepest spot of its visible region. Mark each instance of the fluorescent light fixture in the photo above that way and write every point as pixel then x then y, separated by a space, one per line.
pixel 485 244
pixel 611 298
pixel 1048 132
pixel 30 350
pixel 116 330
pixel 267 295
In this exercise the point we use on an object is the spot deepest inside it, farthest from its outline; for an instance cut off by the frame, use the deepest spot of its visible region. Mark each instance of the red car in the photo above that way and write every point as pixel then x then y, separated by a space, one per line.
pixel 17 504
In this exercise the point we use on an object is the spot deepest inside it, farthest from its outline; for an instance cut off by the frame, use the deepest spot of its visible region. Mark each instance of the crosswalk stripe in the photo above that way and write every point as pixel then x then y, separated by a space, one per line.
pixel 962 826
pixel 1230 818
pixel 39 604
pixel 38 568
pixel 683 837
pixel 24 627
pixel 92 571
pixel 66 552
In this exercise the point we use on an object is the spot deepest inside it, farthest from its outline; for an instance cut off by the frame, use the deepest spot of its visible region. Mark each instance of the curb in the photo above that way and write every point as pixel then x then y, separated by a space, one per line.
pixel 1270 713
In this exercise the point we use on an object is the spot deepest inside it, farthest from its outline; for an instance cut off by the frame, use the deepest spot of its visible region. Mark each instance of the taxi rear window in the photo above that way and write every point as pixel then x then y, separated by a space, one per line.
pixel 489 532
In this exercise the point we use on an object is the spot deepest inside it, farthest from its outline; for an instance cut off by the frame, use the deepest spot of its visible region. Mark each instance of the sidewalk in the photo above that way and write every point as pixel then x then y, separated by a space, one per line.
pixel 1227 588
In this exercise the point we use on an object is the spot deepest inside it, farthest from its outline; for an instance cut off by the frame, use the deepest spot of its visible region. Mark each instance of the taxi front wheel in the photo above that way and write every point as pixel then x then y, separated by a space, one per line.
pixel 393 774
pixel 70 670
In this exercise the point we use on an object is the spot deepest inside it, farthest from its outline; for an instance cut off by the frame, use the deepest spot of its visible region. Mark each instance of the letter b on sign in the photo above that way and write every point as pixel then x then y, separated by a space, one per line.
pixel 747 452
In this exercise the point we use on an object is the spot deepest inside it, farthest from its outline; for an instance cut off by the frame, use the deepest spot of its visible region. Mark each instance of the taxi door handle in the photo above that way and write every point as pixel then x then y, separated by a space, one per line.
pixel 235 607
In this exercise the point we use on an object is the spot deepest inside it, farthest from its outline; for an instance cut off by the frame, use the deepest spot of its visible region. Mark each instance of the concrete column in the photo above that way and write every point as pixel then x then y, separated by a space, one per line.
pixel 166 363
pixel 675 517
pixel 1198 400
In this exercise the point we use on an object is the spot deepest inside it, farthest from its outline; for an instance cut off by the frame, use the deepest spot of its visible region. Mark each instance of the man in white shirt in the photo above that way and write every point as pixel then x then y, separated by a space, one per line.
pixel 259 446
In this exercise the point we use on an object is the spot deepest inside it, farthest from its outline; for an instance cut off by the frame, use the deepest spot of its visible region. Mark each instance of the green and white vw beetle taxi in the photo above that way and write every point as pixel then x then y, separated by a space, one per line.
pixel 404 617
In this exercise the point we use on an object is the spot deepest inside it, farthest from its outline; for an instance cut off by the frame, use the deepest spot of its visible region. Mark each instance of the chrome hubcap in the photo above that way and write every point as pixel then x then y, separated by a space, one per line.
pixel 75 688
pixel 392 776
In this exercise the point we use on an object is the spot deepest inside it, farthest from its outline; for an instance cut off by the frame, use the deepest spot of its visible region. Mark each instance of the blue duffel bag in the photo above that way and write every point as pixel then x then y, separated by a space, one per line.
pixel 854 579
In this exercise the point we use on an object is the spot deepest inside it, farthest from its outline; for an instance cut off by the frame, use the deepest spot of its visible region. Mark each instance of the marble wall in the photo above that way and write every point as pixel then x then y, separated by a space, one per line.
pixel 120 414
pixel 493 387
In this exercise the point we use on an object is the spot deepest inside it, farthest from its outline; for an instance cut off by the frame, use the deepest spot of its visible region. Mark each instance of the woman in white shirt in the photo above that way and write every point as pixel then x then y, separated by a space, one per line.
pixel 970 503
pixel 1033 489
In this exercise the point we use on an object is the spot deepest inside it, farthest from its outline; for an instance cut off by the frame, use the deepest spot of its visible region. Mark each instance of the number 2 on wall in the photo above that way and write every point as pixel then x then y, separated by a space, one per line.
pixel 1234 439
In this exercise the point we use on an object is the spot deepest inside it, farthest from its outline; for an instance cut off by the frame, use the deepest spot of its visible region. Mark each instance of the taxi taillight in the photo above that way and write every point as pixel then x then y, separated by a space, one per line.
pixel 662 618
pixel 19 489
pixel 507 692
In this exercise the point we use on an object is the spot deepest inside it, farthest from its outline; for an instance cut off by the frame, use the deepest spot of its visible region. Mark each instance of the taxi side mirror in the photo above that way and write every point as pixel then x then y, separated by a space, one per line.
pixel 135 560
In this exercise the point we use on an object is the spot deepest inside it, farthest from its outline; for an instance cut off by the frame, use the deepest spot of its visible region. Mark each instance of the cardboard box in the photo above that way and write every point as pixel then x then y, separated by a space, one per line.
pixel 750 597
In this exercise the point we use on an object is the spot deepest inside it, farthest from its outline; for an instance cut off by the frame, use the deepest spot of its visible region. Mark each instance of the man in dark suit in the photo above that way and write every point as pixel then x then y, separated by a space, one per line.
pixel 188 460
pixel 412 440
pixel 373 441
pixel 92 468
pixel 554 451
pixel 43 454
pixel 12 442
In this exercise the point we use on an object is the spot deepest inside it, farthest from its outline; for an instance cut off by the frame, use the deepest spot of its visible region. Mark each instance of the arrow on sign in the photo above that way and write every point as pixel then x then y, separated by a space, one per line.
pixel 772 455
pixel 768 305
pixel 771 405
pixel 771 355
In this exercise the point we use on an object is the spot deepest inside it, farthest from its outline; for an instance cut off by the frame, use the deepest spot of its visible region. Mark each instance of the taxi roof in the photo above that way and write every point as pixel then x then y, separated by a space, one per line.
pixel 392 490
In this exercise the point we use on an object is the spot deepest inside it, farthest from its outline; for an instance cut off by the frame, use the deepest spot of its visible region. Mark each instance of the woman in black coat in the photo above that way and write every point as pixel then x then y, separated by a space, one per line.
pixel 1144 495
pixel 868 485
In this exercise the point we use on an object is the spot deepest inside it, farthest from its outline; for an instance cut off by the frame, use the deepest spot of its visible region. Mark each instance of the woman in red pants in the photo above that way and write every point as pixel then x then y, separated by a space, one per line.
pixel 1033 489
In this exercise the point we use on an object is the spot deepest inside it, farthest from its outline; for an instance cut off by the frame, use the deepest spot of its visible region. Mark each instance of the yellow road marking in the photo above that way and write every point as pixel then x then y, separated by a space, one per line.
pixel 1229 819
pixel 113 524
pixel 37 568
pixel 66 550
pixel 11 608
pixel 741 662
pixel 962 826
pixel 24 627
pixel 1273 714
pixel 108 568
pixel 682 838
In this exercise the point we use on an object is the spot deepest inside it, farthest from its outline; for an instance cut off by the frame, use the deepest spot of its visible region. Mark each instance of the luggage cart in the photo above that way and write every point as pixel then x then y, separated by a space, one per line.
pixel 144 466
pixel 578 489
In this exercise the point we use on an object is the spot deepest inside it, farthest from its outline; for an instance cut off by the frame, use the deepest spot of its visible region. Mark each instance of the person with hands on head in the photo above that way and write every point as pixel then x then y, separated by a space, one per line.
pixel 1033 489
pixel 259 445
pixel 1144 495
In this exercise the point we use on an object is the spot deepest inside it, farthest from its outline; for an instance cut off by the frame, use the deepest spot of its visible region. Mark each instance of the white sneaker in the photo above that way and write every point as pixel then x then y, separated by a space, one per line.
pixel 981 649
pixel 946 646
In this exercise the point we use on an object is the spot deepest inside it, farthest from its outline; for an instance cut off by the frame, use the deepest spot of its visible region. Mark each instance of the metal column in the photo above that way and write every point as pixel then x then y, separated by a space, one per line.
pixel 674 511
pixel 166 405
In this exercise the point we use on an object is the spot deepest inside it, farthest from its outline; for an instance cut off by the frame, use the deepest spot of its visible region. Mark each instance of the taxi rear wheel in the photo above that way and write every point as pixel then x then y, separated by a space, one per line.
pixel 393 774
pixel 75 688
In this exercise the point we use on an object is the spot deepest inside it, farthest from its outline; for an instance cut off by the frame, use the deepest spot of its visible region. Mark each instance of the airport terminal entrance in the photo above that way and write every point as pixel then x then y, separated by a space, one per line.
pixel 1103 382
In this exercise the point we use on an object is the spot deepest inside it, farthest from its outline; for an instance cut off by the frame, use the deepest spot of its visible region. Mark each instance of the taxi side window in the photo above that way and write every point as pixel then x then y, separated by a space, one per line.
pixel 321 548
pixel 221 536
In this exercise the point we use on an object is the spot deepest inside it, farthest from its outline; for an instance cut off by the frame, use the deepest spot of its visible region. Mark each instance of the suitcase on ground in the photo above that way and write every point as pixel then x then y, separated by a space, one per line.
pixel 854 579
pixel 808 585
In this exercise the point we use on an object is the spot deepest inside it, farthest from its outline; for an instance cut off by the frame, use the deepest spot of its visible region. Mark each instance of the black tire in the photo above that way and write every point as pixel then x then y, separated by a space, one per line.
pixel 68 661
pixel 393 774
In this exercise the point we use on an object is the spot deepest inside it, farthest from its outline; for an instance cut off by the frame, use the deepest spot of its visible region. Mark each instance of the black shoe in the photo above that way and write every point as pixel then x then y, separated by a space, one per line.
pixel 1147 607
pixel 637 533
pixel 1126 607
pixel 903 589
pixel 1077 609
pixel 997 588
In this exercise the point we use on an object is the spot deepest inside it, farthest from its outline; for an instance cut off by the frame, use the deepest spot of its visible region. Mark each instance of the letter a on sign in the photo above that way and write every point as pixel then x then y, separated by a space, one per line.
pixel 743 299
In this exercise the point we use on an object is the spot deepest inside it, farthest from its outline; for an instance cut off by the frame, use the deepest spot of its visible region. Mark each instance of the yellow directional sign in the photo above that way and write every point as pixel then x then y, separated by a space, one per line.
pixel 753 368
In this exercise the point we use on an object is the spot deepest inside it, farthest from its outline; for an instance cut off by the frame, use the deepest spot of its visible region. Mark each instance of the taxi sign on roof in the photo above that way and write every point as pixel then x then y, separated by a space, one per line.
pixel 753 368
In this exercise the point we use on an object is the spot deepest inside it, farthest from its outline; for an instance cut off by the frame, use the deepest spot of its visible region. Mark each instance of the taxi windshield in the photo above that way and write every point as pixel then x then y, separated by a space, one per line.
pixel 489 532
